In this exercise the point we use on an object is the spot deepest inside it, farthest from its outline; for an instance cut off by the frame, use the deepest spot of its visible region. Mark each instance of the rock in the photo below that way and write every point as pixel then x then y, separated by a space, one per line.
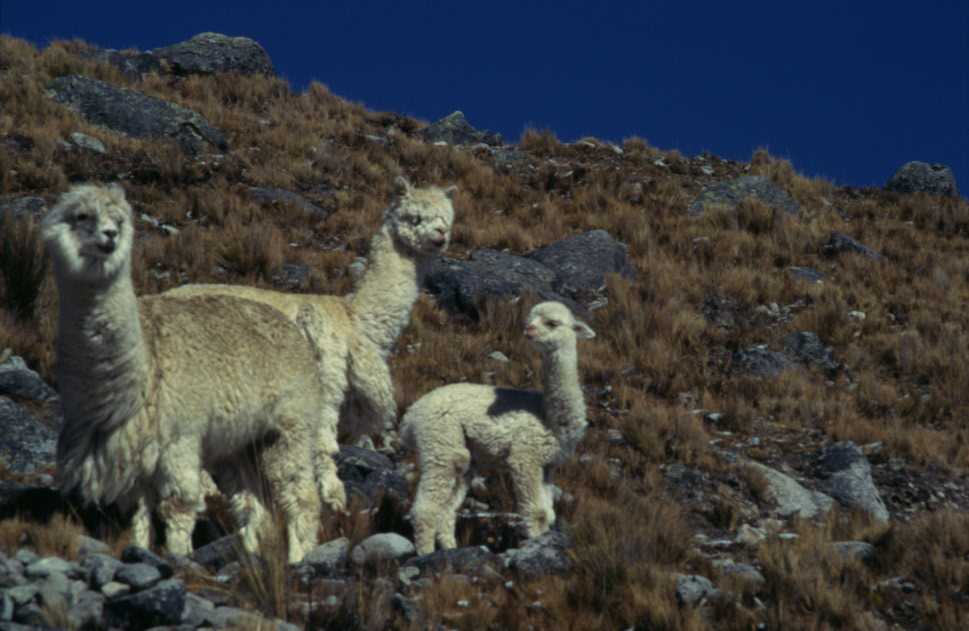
pixel 198 610
pixel 87 610
pixel 6 607
pixel 791 498
pixel 849 479
pixel 51 565
pixel 280 197
pixel 100 569
pixel 132 64
pixel 89 545
pixel 292 276
pixel 218 553
pixel 23 205
pixel 134 554
pixel 111 589
pixel 383 547
pixel 581 263
pixel 357 463
pixel 541 556
pixel 839 243
pixel 160 605
pixel 136 114
pixel 855 550
pixel 498 356
pixel 759 361
pixel 371 475
pixel 138 575
pixel 454 129
pixel 235 618
pixel 30 615
pixel 465 560
pixel 83 141
pixel 208 53
pixel 750 536
pixel 808 274
pixel 328 558
pixel 26 556
pixel 26 444
pixel 921 177
pixel 730 194
pixel 806 347
pixel 23 594
pixel 691 589
pixel 744 571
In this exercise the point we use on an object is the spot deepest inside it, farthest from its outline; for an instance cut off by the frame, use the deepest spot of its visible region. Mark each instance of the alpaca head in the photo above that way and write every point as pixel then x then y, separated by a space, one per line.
pixel 420 219
pixel 89 232
pixel 551 326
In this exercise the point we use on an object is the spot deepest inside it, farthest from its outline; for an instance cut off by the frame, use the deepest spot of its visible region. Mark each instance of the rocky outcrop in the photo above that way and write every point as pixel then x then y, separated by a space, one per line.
pixel 136 114
pixel 848 479
pixel 790 497
pixel 209 53
pixel 454 129
pixel 839 243
pixel 26 444
pixel 730 194
pixel 922 177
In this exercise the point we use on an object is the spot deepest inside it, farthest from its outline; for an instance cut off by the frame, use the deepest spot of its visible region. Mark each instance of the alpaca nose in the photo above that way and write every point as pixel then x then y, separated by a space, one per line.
pixel 531 331
pixel 110 234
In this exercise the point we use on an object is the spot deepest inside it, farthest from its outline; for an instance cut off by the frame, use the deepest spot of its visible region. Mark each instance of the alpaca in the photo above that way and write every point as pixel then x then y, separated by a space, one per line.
pixel 155 391
pixel 526 431
pixel 356 333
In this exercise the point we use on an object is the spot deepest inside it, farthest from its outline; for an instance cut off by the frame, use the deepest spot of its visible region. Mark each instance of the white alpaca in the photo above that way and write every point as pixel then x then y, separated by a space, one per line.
pixel 156 390
pixel 355 334
pixel 461 424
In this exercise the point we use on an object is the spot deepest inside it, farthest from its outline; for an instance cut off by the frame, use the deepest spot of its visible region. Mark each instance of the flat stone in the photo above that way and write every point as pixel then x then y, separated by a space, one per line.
pixel 328 558
pixel 849 479
pixel 382 547
pixel 48 565
pixel 83 141
pixel 100 569
pixel 541 556
pixel 791 497
pixel 218 553
pixel 112 589
pixel 691 589
pixel 162 604
pixel 138 575
pixel 134 554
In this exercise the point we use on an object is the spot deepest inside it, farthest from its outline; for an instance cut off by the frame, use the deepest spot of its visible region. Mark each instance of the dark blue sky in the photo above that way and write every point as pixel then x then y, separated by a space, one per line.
pixel 848 90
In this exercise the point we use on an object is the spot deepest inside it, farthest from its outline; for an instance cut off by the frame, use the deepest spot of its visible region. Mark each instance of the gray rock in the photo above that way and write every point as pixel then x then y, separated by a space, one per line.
pixel 849 479
pixel 6 607
pixel 277 197
pixel 31 615
pixel 839 243
pixel 112 589
pixel 219 553
pixel 791 498
pixel 371 475
pixel 466 560
pixel 134 554
pixel 541 556
pixel 136 114
pixel 159 605
pixel 730 194
pixel 17 380
pixel 234 617
pixel 89 545
pixel 744 571
pixel 100 569
pixel 55 589
pixel 691 589
pixel 138 575
pixel 23 205
pixel 454 129
pixel 11 572
pixel 806 347
pixel 292 276
pixel 581 263
pixel 26 556
pixel 26 444
pixel 51 565
pixel 856 550
pixel 132 64
pixel 83 141
pixel 921 177
pixel 382 547
pixel 23 594
pixel 357 463
pixel 209 53
pixel 87 610
pixel 328 558
pixel 760 361
pixel 198 610
pixel 808 274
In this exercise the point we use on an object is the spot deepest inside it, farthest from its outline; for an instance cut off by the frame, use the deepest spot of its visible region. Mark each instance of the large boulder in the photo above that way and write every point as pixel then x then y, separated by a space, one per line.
pixel 26 444
pixel 806 347
pixel 848 479
pixel 136 114
pixel 17 380
pixel 454 129
pixel 132 64
pixel 541 556
pixel 160 605
pixel 729 195
pixel 208 53
pixel 582 262
pixel 789 496
pixel 922 177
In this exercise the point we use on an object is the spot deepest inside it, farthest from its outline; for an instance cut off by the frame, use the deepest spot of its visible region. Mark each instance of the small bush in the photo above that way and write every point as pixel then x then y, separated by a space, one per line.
pixel 22 264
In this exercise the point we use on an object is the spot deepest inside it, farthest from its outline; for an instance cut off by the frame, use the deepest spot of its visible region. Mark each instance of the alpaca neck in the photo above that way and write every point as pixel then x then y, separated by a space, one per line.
pixel 562 395
pixel 386 294
pixel 101 356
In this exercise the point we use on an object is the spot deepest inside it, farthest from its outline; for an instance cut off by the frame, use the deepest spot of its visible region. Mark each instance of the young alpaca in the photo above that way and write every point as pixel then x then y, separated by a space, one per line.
pixel 355 334
pixel 524 430
pixel 156 390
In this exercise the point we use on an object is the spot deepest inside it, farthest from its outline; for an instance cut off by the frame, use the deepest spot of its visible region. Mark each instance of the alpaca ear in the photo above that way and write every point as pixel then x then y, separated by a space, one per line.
pixel 401 185
pixel 583 331
pixel 450 191
pixel 116 189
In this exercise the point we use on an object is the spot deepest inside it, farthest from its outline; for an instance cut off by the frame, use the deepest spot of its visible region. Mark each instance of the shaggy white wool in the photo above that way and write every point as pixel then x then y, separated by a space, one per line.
pixel 458 425
pixel 156 391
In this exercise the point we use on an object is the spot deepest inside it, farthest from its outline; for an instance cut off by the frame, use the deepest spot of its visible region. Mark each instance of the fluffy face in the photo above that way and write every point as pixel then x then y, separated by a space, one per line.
pixel 551 325
pixel 421 218
pixel 89 232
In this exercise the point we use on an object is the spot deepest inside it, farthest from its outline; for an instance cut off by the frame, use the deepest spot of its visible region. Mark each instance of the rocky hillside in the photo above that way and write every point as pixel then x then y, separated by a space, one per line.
pixel 777 392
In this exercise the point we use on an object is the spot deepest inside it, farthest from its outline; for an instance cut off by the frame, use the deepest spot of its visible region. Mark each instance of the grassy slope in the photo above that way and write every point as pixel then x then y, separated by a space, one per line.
pixel 906 363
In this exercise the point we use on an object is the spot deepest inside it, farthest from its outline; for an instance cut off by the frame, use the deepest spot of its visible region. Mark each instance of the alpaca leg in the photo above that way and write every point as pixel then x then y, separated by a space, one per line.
pixel 447 529
pixel 294 489
pixel 180 494
pixel 141 524
pixel 531 495
pixel 372 392
pixel 433 494
pixel 241 482
pixel 331 489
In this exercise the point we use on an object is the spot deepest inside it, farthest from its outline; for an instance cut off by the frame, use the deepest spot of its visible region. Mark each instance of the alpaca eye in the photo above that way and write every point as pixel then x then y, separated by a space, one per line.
pixel 415 220
pixel 82 217
pixel 552 323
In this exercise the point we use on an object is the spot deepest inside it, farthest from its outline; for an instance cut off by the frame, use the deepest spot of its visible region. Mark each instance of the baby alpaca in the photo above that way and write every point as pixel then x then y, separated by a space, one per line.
pixel 526 431
pixel 355 334
pixel 156 390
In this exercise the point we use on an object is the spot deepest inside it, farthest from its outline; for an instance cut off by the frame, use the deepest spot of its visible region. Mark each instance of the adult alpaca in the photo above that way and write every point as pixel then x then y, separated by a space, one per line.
pixel 355 334
pixel 156 390
pixel 526 431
